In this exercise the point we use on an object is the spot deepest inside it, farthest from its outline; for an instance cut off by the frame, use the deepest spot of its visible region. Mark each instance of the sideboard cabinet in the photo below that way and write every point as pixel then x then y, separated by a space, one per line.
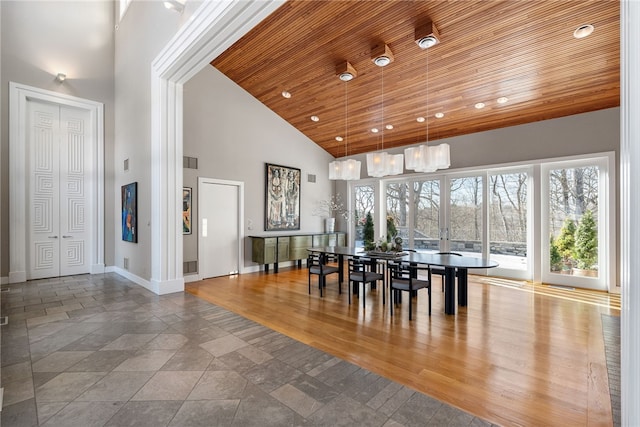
pixel 291 247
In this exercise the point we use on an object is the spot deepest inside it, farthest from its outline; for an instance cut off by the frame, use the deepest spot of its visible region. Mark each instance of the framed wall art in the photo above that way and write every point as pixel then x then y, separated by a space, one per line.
pixel 186 210
pixel 282 198
pixel 130 212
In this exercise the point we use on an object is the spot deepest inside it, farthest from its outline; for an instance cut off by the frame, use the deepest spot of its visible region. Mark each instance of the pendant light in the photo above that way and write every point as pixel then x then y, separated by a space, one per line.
pixel 346 169
pixel 425 158
pixel 381 163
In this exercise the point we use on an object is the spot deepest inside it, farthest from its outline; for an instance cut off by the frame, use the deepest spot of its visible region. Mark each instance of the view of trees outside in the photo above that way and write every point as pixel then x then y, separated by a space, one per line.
pixel 426 213
pixel 364 200
pixel 465 219
pixel 398 207
pixel 508 219
pixel 573 219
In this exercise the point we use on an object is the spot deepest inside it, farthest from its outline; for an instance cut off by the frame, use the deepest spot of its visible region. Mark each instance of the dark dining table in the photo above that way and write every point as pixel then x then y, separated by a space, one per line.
pixel 454 266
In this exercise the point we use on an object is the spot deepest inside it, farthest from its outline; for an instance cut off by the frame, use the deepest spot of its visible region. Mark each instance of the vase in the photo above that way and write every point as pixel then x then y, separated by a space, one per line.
pixel 329 225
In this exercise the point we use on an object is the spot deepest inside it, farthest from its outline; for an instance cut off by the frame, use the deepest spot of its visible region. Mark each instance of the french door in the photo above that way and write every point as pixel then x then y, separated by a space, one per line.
pixel 484 215
pixel 576 221
pixel 59 234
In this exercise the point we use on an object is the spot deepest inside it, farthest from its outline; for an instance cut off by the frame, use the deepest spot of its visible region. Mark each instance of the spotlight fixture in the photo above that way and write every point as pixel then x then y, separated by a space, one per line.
pixel 479 105
pixel 286 94
pixel 381 55
pixel 583 31
pixel 502 100
pixel 426 35
pixel 346 72
pixel 60 77
pixel 315 118
pixel 176 5
pixel 439 115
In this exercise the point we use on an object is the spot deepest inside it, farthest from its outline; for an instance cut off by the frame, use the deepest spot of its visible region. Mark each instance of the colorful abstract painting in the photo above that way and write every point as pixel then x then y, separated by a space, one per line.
pixel 130 212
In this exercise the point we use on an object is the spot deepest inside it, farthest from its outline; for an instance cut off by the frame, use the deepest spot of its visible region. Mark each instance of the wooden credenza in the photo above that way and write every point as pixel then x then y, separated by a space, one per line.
pixel 290 247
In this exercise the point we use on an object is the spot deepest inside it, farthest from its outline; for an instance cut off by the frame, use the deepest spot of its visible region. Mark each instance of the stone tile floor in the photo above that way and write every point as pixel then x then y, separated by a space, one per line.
pixel 102 351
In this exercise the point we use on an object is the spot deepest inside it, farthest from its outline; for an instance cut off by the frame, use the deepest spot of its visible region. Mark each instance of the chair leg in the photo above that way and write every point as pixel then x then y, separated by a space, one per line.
pixel 410 304
pixel 429 289
pixel 321 284
pixel 364 288
pixel 349 290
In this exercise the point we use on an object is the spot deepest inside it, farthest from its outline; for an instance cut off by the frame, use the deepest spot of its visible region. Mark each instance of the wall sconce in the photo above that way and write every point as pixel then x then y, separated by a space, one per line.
pixel 176 5
pixel 60 77
pixel 426 35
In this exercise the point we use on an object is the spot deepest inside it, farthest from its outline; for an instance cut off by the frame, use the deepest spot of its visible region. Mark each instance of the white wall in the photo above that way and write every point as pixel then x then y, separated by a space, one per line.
pixel 144 30
pixel 40 39
pixel 233 135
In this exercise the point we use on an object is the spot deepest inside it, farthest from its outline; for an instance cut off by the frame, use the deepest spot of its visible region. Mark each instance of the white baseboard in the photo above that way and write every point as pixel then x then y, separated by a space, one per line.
pixel 97 269
pixel 191 278
pixel 17 276
pixel 128 275
pixel 4 280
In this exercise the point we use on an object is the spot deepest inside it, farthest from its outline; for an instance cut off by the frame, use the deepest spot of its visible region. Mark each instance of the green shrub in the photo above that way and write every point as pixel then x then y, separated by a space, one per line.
pixel 586 242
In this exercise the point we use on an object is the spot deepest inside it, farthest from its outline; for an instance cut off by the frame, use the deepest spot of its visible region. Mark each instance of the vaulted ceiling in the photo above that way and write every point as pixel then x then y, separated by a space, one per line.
pixel 524 51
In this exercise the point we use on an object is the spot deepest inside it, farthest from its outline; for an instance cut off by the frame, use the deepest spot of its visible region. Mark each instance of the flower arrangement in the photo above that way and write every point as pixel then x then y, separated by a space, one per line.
pixel 331 207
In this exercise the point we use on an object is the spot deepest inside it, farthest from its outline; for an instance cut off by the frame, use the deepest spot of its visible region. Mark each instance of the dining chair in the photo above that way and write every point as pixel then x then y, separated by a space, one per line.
pixel 404 276
pixel 317 265
pixel 361 272
pixel 440 270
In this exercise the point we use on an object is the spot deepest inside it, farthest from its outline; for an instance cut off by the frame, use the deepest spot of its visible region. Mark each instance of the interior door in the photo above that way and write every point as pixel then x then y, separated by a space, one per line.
pixel 59 239
pixel 219 238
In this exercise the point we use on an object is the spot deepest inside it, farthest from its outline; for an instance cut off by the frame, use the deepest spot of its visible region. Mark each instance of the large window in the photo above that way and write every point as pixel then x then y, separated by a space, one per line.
pixel 465 218
pixel 549 221
pixel 508 218
pixel 364 203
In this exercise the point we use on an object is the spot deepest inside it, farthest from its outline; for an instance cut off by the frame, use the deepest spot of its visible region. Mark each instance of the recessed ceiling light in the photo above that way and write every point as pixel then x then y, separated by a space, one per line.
pixel 420 119
pixel 583 31
pixel 374 130
pixel 479 105
pixel 439 115
pixel 286 94
pixel 502 100
pixel 389 127
pixel 339 138
pixel 315 118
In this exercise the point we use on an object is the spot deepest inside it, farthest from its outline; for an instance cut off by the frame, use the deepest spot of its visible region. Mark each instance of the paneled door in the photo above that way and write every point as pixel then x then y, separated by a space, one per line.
pixel 59 236
pixel 220 230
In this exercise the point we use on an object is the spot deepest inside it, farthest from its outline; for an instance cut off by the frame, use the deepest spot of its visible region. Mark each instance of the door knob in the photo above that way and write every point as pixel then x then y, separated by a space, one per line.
pixel 53 237
pixel 66 237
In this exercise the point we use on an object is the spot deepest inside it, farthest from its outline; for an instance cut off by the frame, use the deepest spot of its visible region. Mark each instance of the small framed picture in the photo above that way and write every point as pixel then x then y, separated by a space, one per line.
pixel 186 210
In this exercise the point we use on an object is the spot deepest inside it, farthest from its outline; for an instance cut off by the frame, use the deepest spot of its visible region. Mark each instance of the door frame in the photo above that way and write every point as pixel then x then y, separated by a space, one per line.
pixel 240 187
pixel 19 96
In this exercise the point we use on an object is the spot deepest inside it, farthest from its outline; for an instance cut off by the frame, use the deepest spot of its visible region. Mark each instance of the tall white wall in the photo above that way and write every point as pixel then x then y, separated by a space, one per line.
pixel 144 30
pixel 40 39
pixel 233 135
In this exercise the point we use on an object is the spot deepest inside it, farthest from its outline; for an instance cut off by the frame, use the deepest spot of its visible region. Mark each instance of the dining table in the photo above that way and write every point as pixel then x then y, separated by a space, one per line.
pixel 455 266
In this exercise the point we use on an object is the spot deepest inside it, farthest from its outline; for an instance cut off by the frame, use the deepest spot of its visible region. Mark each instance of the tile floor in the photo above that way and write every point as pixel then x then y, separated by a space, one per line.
pixel 102 351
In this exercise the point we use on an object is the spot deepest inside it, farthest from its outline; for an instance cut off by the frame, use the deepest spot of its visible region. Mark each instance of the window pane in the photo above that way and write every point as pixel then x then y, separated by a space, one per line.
pixel 465 232
pixel 573 221
pixel 508 220
pixel 398 208
pixel 426 215
pixel 364 200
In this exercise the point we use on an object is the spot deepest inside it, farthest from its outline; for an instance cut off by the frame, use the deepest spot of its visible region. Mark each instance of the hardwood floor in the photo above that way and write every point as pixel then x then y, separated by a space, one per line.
pixel 513 356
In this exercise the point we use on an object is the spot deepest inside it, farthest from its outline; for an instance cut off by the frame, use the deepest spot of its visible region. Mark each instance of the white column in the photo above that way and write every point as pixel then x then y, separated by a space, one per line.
pixel 630 206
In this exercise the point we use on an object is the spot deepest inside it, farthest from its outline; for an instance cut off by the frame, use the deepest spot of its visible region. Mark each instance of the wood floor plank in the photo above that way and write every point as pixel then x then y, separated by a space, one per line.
pixel 514 356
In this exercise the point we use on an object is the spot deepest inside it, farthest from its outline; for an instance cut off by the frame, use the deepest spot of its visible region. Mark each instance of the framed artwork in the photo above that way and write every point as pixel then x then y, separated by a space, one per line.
pixel 282 198
pixel 186 210
pixel 130 212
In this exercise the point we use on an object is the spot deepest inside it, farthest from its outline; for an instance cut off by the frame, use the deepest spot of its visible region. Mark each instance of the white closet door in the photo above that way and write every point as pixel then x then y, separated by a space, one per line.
pixel 218 210
pixel 74 210
pixel 57 201
pixel 44 219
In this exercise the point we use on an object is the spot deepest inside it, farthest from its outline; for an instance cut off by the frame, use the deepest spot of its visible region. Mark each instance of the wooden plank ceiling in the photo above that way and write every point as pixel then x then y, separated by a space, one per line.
pixel 522 50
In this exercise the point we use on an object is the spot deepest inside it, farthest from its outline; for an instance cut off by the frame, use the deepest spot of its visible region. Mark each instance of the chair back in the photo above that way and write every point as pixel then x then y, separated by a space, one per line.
pixel 316 261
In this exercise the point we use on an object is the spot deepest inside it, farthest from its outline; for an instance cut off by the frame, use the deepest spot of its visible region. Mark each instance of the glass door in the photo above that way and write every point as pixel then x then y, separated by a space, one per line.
pixel 509 212
pixel 425 232
pixel 463 229
pixel 575 242
pixel 364 202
